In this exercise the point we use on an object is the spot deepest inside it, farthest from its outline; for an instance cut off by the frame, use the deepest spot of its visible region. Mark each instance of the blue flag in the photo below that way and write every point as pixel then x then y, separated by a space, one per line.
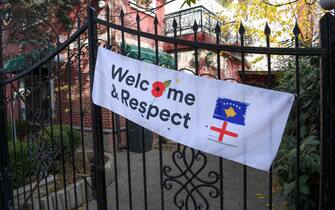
pixel 230 111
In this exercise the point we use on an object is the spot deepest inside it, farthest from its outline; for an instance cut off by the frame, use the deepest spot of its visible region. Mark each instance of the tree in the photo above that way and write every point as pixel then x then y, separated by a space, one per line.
pixel 281 18
pixel 35 20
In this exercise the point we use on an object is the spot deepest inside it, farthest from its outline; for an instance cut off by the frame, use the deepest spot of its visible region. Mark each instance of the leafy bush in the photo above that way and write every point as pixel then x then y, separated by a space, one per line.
pixel 26 159
pixel 22 161
pixel 9 132
pixel 286 163
pixel 60 137
pixel 22 128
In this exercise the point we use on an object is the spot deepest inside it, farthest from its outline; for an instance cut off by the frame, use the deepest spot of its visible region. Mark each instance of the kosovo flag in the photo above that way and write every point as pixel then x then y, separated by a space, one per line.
pixel 230 111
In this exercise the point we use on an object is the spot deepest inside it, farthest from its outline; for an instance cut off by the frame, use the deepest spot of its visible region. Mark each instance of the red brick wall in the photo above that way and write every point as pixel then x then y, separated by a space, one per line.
pixel 146 25
pixel 64 101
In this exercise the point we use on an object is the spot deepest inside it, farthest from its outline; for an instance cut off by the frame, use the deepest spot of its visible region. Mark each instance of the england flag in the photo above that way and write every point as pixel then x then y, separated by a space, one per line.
pixel 228 121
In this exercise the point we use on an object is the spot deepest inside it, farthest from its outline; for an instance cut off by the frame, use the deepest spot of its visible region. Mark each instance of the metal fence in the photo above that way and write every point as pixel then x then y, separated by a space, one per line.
pixel 185 20
pixel 47 120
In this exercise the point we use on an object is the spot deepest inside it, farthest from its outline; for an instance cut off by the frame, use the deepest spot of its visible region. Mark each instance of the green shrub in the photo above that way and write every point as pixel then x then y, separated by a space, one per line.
pixel 286 163
pixel 9 132
pixel 21 165
pixel 64 138
pixel 22 161
pixel 26 159
pixel 22 128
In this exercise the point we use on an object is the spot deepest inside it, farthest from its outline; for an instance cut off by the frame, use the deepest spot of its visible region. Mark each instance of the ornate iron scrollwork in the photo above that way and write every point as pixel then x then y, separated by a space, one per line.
pixel 189 168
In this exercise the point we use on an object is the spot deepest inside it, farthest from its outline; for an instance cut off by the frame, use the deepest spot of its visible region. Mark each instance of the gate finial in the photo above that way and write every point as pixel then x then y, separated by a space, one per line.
pixel 267 30
pixel 296 29
pixel 241 30
pixel 174 24
pixel 217 28
pixel 195 26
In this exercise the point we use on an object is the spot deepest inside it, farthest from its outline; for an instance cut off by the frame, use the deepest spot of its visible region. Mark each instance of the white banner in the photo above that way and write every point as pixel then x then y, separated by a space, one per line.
pixel 234 121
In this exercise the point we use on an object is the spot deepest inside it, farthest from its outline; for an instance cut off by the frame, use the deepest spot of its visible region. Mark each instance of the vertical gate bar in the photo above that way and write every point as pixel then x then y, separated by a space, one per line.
pixel 21 147
pixel 81 112
pixel 3 132
pixel 30 168
pixel 97 126
pixel 17 144
pixel 116 136
pixel 196 64
pixel 51 126
pixel 201 21
pixel 69 75
pixel 122 32
pixel 107 27
pixel 142 129
pixel 39 114
pixel 267 33
pixel 115 161
pixel 195 33
pixel 175 25
pixel 241 32
pixel 17 139
pixel 119 139
pixel 218 63
pixel 20 140
pixel 115 146
pixel 160 138
pixel 32 140
pixel 115 167
pixel 179 20
pixel 114 150
pixel 46 178
pixel 7 197
pixel 1 188
pixel 32 79
pixel 3 129
pixel 14 142
pixel 38 123
pixel 41 82
pixel 118 129
pixel 60 120
pixel 327 76
pixel 296 32
pixel 245 187
pixel 26 130
pixel 128 169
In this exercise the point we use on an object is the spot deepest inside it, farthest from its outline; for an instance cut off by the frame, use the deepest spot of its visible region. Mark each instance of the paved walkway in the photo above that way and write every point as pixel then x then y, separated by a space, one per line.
pixel 257 185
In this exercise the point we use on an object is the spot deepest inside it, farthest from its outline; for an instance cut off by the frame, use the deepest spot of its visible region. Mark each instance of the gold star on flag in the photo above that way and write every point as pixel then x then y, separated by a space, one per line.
pixel 230 112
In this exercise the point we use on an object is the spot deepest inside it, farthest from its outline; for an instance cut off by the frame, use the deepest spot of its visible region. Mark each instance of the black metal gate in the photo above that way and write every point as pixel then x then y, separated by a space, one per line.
pixel 48 121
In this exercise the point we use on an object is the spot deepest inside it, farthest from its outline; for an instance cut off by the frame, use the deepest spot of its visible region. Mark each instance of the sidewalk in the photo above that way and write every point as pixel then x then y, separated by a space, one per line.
pixel 257 185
